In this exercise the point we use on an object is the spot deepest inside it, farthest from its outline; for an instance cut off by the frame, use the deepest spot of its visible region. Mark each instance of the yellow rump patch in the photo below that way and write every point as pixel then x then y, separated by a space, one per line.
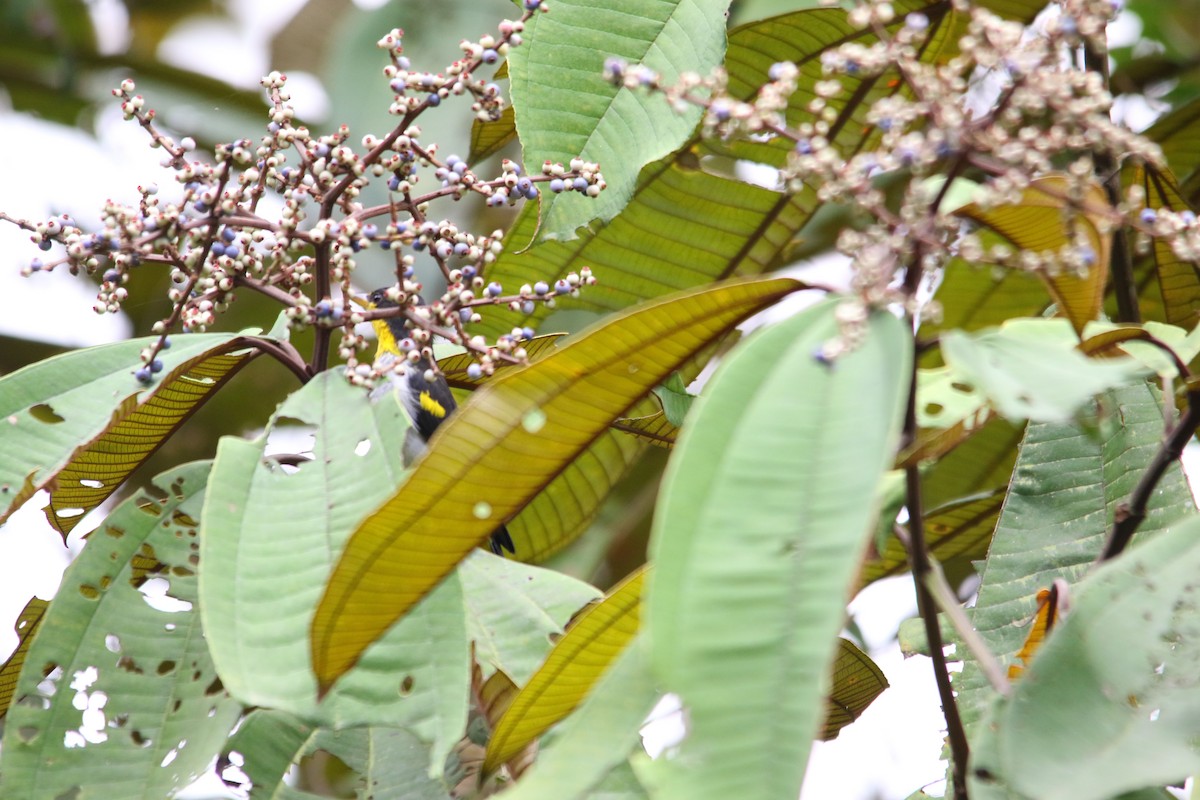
pixel 432 406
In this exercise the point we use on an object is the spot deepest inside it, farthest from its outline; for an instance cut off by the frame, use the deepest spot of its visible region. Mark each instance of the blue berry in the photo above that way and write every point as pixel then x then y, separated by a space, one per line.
pixel 434 100
pixel 532 5
pixel 443 249
pixel 464 314
pixel 499 197
pixel 323 308
pixel 218 249
pixel 143 375
pixel 156 365
pixel 403 63
pixel 398 86
pixel 469 271
pixel 321 150
pixel 528 333
pixel 562 287
pixel 1149 215
pixel 579 185
pixel 474 372
pixel 112 276
pixel 228 234
pixel 201 206
pixel 527 307
pixel 531 193
pixel 541 288
pixel 370 230
pixel 557 185
pixel 44 244
pixel 494 289
pixel 490 56
pixel 1188 217
pixel 35 265
pixel 408 272
pixel 166 343
pixel 394 183
pixel 524 185
pixel 1087 255
pixel 461 249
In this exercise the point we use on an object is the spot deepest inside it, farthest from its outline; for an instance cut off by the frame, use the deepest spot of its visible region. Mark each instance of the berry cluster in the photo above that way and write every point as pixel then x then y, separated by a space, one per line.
pixel 1036 114
pixel 213 240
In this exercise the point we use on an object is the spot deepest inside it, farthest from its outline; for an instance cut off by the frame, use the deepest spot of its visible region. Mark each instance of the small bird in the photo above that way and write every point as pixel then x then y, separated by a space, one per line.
pixel 427 402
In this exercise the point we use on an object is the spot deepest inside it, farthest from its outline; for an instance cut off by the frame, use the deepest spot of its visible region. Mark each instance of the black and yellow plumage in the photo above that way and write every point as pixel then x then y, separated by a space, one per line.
pixel 427 402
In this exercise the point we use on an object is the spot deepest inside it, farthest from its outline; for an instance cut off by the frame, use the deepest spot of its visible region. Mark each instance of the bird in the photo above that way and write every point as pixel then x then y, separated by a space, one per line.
pixel 428 402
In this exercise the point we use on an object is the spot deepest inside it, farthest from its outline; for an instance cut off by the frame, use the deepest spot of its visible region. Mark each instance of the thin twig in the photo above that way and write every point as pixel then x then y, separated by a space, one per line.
pixel 927 607
pixel 939 588
pixel 1121 262
pixel 1131 514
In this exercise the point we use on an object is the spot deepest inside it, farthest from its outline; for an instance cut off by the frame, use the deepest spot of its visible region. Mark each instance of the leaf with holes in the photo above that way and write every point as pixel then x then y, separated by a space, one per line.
pixel 79 423
pixel 1028 370
pixel 271 535
pixel 28 622
pixel 119 697
pixel 501 449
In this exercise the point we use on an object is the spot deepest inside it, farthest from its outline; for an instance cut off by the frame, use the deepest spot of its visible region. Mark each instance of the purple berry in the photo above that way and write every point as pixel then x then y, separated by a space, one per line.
pixel 541 288
pixel 494 289
pixel 143 375
pixel 474 372
pixel 1149 215
pixel 527 307
pixel 528 333
pixel 156 365
pixel 434 100
pixel 562 287
pixel 579 185
pixel 490 56
pixel 557 185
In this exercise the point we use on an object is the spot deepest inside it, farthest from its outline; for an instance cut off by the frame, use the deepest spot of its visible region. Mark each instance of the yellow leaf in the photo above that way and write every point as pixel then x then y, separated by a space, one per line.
pixel 1046 222
pixel 501 449
pixel 590 645
pixel 26 627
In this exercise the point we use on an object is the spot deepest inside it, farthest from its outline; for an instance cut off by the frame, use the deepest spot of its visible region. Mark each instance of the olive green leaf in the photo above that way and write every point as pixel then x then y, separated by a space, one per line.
pixel 501 449
pixel 26 627
pixel 52 406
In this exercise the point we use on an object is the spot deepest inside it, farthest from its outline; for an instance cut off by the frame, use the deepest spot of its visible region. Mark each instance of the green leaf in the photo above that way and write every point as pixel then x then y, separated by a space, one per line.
pixel 1057 515
pixel 767 504
pixel 565 107
pixel 981 462
pixel 157 712
pixel 84 415
pixel 516 611
pixel 598 738
pixel 1110 702
pixel 1029 370
pixel 675 399
pixel 479 470
pixel 271 535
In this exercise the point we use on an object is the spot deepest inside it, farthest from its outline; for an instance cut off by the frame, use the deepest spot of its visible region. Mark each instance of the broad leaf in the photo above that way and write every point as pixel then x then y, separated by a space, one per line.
pixel 491 136
pixel 271 535
pixel 566 108
pixel 1110 702
pixel 84 414
pixel 765 510
pixel 26 627
pixel 501 449
pixel 598 738
pixel 1057 515
pixel 594 640
pixel 1028 370
pixel 1178 281
pixel 119 698
pixel 686 226
pixel 1046 223
pixel 516 611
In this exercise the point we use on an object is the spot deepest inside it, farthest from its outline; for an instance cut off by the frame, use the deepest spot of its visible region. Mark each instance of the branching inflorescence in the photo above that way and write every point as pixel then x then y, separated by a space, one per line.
pixel 215 241
pixel 1011 106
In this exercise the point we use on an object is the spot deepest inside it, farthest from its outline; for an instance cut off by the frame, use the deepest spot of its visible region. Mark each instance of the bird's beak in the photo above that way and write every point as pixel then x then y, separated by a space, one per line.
pixel 358 301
